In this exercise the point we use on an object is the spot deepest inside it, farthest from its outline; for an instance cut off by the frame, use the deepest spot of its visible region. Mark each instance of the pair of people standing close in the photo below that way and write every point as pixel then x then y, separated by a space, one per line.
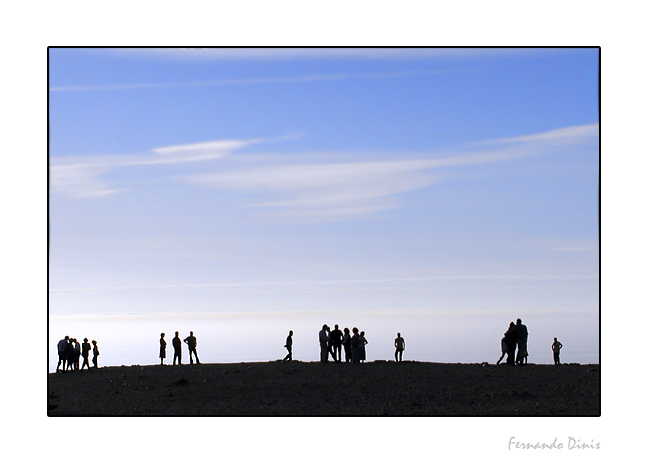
pixel 515 339
pixel 176 343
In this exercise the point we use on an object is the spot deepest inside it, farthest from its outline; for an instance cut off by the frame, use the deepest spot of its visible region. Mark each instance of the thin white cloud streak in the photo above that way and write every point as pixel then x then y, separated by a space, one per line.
pixel 82 177
pixel 558 137
pixel 80 182
pixel 315 192
pixel 249 81
pixel 326 283
pixel 344 190
pixel 360 53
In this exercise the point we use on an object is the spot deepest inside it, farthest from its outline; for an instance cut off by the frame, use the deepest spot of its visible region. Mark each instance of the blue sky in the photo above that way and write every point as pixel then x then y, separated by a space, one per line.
pixel 424 185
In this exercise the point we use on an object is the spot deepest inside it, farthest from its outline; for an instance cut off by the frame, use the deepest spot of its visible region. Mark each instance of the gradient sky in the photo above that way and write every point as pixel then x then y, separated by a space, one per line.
pixel 419 186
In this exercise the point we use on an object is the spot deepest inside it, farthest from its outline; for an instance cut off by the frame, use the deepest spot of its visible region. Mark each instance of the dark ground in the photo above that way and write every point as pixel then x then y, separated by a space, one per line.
pixel 312 389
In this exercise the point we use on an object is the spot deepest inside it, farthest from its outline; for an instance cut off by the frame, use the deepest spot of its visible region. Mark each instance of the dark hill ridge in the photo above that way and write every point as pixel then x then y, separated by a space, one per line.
pixel 312 389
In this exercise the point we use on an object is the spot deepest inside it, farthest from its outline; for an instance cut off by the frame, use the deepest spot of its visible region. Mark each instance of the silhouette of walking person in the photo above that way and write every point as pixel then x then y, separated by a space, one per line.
pixel 95 354
pixel 176 343
pixel 399 347
pixel 85 352
pixel 289 345
pixel 60 347
pixel 522 342
pixel 556 346
pixel 347 345
pixel 336 340
pixel 191 346
pixel 504 348
pixel 362 346
pixel 323 339
pixel 163 348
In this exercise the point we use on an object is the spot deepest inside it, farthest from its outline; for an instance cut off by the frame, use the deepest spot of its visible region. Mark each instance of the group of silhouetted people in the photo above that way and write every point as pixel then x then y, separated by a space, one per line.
pixel 70 352
pixel 514 344
pixel 332 341
pixel 515 339
pixel 176 343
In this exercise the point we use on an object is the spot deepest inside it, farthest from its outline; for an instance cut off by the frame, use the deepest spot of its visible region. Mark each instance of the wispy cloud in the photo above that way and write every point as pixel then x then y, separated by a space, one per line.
pixel 85 177
pixel 80 181
pixel 558 137
pixel 253 81
pixel 325 283
pixel 373 53
pixel 344 190
pixel 318 191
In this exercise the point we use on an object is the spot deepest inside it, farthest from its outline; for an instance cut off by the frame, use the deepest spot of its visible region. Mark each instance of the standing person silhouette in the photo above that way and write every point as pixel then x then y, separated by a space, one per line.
pixel 399 347
pixel 288 345
pixel 163 348
pixel 95 354
pixel 336 340
pixel 77 353
pixel 354 345
pixel 511 342
pixel 60 347
pixel 362 346
pixel 69 354
pixel 347 345
pixel 176 343
pixel 85 351
pixel 323 340
pixel 556 346
pixel 521 331
pixel 191 347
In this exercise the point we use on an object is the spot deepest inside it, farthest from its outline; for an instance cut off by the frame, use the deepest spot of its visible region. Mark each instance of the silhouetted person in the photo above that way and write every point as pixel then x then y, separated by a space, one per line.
pixel 289 345
pixel 522 340
pixel 347 345
pixel 60 347
pixel 511 342
pixel 77 353
pixel 95 354
pixel 399 347
pixel 362 348
pixel 191 346
pixel 69 355
pixel 336 341
pixel 504 348
pixel 330 349
pixel 556 346
pixel 163 348
pixel 355 343
pixel 85 352
pixel 176 343
pixel 323 340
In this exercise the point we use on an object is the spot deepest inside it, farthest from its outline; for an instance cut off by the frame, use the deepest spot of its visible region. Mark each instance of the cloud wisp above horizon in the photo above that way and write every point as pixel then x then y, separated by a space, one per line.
pixel 315 191
pixel 253 81
pixel 86 176
pixel 328 191
pixel 329 53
